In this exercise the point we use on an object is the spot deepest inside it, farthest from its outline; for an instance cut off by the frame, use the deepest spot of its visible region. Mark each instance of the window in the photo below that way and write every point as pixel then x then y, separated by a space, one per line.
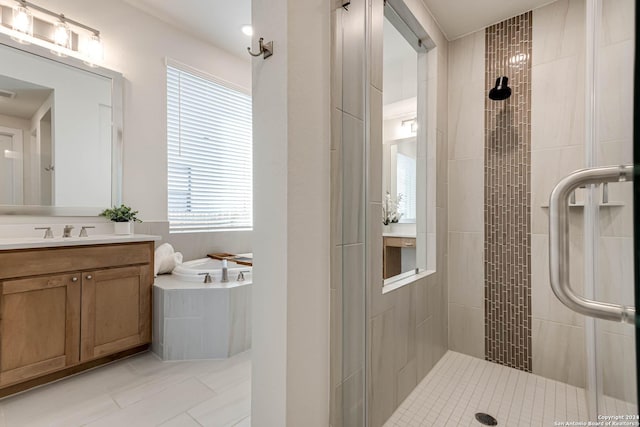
pixel 209 153
pixel 406 186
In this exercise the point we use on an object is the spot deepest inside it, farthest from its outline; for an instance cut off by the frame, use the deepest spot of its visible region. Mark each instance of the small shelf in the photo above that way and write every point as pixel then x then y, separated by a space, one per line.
pixel 581 205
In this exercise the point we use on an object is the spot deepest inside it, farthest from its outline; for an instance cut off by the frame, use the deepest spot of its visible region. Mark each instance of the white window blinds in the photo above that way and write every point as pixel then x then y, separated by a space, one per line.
pixel 406 183
pixel 209 154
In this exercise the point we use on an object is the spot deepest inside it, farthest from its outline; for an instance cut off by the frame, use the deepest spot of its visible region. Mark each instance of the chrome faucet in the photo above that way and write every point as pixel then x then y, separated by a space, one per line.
pixel 67 231
pixel 48 234
pixel 83 231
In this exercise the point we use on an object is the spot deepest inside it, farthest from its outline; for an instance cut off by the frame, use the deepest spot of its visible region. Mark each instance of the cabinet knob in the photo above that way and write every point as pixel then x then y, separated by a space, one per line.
pixel 89 277
pixel 74 279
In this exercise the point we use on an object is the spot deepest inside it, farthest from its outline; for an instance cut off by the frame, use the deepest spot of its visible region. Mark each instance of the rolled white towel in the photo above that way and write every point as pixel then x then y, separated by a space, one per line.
pixel 166 259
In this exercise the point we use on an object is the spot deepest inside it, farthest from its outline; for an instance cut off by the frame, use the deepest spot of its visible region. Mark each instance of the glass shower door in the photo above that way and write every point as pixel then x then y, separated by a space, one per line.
pixel 606 201
pixel 611 207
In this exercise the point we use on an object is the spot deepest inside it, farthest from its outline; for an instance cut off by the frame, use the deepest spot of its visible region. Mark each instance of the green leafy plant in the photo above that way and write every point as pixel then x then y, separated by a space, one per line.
pixel 121 214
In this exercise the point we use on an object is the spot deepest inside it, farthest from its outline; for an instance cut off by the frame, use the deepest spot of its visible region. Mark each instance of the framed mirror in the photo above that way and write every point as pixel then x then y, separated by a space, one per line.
pixel 60 134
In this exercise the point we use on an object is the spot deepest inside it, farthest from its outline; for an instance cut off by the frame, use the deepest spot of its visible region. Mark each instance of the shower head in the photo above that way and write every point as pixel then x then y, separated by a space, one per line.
pixel 501 91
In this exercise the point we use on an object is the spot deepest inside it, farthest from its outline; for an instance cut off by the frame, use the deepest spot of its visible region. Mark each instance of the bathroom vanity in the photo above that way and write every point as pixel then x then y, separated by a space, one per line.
pixel 69 305
pixel 393 244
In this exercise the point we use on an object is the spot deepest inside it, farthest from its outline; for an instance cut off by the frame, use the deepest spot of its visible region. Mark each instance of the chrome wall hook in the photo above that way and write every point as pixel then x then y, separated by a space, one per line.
pixel 266 49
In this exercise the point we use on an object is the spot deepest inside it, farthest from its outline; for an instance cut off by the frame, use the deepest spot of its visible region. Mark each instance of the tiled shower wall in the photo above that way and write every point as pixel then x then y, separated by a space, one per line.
pixel 406 328
pixel 507 187
pixel 557 148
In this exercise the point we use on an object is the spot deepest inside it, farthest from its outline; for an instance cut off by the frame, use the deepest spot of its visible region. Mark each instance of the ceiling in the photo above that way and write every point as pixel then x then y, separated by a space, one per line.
pixel 219 21
pixel 28 98
pixel 461 17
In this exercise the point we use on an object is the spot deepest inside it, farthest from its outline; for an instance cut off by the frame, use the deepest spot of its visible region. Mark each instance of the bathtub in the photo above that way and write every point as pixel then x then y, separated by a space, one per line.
pixel 197 320
pixel 193 271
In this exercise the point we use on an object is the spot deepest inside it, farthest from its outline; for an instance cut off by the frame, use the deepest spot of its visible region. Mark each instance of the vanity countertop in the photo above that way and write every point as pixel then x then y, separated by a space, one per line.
pixel 399 234
pixel 98 239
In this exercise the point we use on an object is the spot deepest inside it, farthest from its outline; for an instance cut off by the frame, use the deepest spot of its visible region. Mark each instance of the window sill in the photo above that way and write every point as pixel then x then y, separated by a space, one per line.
pixel 217 230
pixel 404 280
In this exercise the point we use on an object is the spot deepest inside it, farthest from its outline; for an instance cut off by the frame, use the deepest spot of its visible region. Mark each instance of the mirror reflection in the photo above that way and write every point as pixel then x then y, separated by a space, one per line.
pixel 25 143
pixel 400 83
pixel 55 133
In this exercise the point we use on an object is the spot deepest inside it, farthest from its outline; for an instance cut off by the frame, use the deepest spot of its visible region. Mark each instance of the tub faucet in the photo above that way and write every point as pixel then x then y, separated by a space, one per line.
pixel 67 231
pixel 225 272
pixel 207 277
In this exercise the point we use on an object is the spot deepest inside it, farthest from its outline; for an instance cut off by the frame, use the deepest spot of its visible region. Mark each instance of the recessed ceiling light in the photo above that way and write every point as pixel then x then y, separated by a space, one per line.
pixel 247 29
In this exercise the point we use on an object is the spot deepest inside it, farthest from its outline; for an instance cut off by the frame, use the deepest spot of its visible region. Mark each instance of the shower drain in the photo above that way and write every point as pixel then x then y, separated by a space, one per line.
pixel 486 419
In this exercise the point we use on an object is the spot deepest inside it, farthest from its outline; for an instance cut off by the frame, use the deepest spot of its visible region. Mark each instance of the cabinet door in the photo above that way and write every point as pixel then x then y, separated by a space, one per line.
pixel 39 327
pixel 116 310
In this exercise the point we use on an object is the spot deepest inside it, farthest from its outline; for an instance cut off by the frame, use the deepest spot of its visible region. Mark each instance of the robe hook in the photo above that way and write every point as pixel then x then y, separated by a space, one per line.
pixel 265 49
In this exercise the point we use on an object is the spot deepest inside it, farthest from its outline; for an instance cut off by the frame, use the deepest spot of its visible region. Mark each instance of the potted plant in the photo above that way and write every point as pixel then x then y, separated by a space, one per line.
pixel 123 218
pixel 390 214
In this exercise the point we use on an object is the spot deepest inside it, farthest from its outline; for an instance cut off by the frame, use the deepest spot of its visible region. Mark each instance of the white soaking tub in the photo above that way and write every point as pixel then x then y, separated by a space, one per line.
pixel 197 320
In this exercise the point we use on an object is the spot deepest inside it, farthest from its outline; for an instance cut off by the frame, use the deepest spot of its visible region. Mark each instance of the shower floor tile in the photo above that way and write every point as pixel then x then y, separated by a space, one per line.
pixel 459 386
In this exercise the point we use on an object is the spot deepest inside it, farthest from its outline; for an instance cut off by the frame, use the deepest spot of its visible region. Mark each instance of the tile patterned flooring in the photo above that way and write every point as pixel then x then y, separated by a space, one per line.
pixel 461 385
pixel 140 391
pixel 144 391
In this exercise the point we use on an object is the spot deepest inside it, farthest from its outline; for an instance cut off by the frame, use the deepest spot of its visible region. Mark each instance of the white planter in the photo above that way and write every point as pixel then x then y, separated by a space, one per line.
pixel 123 227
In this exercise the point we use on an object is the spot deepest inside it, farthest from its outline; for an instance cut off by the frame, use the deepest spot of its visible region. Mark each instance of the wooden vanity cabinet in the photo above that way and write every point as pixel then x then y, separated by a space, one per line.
pixel 116 310
pixel 40 326
pixel 392 254
pixel 70 308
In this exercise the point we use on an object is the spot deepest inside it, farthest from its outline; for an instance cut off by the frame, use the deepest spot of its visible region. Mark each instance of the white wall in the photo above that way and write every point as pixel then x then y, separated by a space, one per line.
pixel 136 45
pixel 290 384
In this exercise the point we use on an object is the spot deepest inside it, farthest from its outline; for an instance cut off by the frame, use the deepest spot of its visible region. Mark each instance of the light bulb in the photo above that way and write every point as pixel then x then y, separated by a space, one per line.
pixel 247 30
pixel 94 51
pixel 22 21
pixel 61 36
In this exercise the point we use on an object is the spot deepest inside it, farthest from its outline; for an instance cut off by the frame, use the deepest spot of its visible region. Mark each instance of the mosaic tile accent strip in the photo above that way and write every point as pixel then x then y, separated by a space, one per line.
pixel 507 195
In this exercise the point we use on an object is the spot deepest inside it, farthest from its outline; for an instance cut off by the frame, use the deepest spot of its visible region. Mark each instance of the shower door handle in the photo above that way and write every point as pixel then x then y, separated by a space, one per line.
pixel 559 243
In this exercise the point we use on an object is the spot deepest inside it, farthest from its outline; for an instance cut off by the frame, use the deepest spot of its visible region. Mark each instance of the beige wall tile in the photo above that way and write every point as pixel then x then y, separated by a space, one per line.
pixel 466 195
pixel 353 66
pixel 466 330
pixel 353 312
pixel 558 30
pixel 558 352
pixel 547 168
pixel 466 269
pixel 383 372
pixel 352 180
pixel 618 365
pixel 557 103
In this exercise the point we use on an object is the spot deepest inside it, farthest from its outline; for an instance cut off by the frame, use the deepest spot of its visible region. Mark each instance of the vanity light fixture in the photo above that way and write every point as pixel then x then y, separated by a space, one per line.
pixel 22 21
pixel 410 124
pixel 60 40
pixel 247 30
